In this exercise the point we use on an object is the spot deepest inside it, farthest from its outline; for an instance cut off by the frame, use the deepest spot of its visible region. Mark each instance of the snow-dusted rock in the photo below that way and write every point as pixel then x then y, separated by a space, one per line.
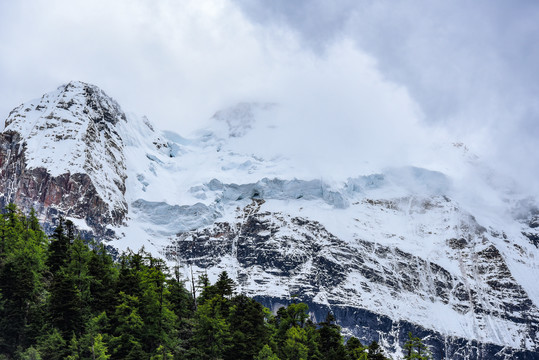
pixel 401 250
pixel 61 154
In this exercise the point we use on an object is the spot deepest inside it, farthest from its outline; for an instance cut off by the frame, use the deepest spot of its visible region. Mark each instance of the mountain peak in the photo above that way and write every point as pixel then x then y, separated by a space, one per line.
pixel 71 130
pixel 241 117
pixel 69 103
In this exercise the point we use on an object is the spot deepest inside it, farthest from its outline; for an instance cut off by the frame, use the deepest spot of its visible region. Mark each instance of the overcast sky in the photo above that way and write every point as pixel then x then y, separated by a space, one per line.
pixel 394 77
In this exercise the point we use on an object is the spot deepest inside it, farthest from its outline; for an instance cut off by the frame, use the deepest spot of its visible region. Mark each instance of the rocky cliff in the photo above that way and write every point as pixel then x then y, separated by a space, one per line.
pixel 62 155
pixel 474 310
pixel 403 249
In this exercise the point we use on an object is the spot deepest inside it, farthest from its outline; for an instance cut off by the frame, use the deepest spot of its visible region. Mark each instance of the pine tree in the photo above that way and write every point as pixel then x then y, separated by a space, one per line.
pixel 212 332
pixel 355 350
pixel 375 352
pixel 313 341
pixel 64 305
pixel 128 330
pixel 206 289
pixel 102 281
pixel 247 327
pixel 74 349
pixel 22 266
pixel 295 347
pixel 415 349
pixel 30 354
pixel 58 248
pixel 182 305
pixel 266 354
pixel 158 319
pixel 331 342
pixel 52 346
pixel 99 349
pixel 225 286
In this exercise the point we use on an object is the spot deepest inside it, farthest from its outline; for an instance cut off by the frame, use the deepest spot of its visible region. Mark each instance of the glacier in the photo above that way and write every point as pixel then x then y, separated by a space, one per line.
pixel 449 254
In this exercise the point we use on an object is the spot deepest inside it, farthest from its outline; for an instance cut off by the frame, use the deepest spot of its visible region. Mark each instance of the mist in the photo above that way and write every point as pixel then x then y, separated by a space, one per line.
pixel 360 85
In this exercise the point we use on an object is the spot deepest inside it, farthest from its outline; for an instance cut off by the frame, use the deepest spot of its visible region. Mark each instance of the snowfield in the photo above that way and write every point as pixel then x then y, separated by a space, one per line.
pixel 449 247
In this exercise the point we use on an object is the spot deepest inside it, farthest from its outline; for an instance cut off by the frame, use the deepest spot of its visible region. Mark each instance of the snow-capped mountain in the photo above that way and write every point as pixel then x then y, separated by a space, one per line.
pixel 62 154
pixel 403 249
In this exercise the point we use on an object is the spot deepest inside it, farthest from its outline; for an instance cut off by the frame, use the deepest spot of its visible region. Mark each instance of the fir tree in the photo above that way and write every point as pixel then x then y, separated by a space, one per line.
pixel 22 266
pixel 331 342
pixel 52 346
pixel 58 248
pixel 294 347
pixel 375 352
pixel 247 327
pixel 266 354
pixel 355 350
pixel 415 349
pixel 212 331
pixel 99 349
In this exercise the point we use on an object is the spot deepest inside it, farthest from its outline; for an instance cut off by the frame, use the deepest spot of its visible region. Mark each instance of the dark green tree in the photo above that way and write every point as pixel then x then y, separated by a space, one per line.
pixel 102 277
pixel 52 346
pixel 331 342
pixel 375 352
pixel 22 267
pixel 355 349
pixel 225 286
pixel 64 309
pixel 266 354
pixel 415 349
pixel 211 335
pixel 247 327
pixel 159 320
pixel 58 248
pixel 126 342
pixel 206 289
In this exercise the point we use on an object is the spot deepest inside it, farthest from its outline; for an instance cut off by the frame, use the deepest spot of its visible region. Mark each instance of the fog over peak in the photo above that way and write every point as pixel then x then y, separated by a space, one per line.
pixel 470 66
pixel 359 85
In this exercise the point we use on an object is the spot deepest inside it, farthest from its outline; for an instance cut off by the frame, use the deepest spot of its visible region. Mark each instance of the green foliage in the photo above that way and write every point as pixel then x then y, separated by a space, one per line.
pixel 415 349
pixel 65 298
pixel 30 354
pixel 355 350
pixel 375 352
pixel 295 347
pixel 22 268
pixel 224 286
pixel 212 331
pixel 331 342
pixel 247 328
pixel 99 349
pixel 52 345
pixel 266 354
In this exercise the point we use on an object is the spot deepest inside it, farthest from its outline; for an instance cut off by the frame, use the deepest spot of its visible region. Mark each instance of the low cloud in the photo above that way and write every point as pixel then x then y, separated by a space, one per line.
pixel 361 84
pixel 470 66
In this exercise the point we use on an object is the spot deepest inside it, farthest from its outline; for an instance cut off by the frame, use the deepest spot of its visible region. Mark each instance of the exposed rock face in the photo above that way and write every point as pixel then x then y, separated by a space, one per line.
pixel 388 253
pixel 62 155
pixel 275 256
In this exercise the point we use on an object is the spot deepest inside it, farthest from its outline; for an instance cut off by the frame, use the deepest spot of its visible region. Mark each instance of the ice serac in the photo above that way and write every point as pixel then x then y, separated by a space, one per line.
pixel 62 155
pixel 460 295
pixel 403 249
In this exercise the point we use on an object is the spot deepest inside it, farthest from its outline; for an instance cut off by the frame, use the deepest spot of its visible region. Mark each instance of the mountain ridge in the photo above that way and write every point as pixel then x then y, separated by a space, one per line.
pixel 361 243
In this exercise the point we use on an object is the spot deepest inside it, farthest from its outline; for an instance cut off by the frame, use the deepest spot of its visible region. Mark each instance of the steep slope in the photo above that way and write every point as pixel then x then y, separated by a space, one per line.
pixel 458 288
pixel 453 259
pixel 401 247
pixel 61 154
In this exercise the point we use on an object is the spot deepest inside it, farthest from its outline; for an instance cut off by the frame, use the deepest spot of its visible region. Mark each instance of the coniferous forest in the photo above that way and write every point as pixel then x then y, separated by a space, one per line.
pixel 63 298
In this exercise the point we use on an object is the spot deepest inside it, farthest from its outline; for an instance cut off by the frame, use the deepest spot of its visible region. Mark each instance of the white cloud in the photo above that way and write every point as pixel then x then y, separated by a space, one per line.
pixel 471 66
pixel 358 81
